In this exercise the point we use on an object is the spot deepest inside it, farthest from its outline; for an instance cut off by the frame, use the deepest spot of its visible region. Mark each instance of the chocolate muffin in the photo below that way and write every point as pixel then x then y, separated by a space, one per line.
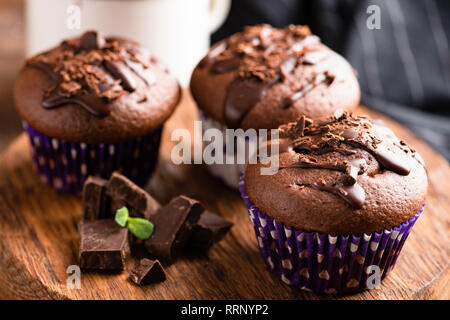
pixel 344 199
pixel 93 105
pixel 263 77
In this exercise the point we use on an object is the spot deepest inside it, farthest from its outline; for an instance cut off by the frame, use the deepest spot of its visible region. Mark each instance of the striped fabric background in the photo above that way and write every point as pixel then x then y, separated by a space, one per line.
pixel 404 67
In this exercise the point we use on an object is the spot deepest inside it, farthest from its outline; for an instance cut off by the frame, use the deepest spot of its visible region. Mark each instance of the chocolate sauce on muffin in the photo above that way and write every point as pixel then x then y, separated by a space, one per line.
pixel 264 67
pixel 94 89
pixel 349 175
pixel 91 71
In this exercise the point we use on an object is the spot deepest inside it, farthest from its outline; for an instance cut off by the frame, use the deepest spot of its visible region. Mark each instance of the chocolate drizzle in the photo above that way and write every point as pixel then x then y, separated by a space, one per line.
pixel 120 71
pixel 386 158
pixel 92 72
pixel 346 144
pixel 354 195
pixel 242 96
pixel 262 56
pixel 89 102
pixel 143 72
pixel 318 79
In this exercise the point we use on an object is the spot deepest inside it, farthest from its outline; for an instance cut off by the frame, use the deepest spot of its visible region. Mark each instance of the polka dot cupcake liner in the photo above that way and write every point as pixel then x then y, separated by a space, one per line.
pixel 323 263
pixel 66 165
pixel 228 173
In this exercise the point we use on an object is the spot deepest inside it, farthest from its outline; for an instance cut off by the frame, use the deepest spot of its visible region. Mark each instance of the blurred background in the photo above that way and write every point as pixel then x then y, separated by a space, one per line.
pixel 403 63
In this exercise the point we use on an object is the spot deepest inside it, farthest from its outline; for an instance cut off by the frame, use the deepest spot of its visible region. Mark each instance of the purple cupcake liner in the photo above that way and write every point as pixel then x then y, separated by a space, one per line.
pixel 323 263
pixel 66 165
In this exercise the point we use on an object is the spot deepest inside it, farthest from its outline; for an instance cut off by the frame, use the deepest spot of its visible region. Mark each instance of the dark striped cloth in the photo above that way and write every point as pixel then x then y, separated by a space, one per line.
pixel 404 68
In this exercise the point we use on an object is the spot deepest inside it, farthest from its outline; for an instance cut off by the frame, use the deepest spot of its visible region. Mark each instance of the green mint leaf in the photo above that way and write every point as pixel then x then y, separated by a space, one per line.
pixel 141 228
pixel 122 216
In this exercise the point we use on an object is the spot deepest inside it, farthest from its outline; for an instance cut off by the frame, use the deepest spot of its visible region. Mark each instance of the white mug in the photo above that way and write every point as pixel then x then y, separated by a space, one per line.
pixel 47 23
pixel 176 31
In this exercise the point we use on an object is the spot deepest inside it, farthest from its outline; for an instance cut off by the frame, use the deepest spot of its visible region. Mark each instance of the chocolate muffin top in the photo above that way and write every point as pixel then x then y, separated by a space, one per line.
pixel 346 176
pixel 263 77
pixel 93 89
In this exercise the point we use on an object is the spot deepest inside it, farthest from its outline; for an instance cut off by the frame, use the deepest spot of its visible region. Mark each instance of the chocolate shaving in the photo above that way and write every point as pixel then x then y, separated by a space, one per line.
pixel 261 56
pixel 350 137
pixel 91 71
pixel 301 126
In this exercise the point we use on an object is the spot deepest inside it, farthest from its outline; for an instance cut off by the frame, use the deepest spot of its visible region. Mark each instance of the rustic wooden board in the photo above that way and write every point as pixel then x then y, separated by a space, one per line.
pixel 38 237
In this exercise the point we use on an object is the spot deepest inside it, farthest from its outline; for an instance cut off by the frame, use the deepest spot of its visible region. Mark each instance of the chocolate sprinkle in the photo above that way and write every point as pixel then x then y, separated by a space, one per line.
pixel 91 72
pixel 346 135
pixel 262 56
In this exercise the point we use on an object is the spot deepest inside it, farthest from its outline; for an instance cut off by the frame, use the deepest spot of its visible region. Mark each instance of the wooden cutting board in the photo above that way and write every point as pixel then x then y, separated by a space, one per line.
pixel 38 237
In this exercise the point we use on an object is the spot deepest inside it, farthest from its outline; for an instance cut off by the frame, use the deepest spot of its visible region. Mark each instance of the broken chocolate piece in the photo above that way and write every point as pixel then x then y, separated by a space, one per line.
pixel 92 40
pixel 173 224
pixel 103 245
pixel 209 229
pixel 94 199
pixel 147 271
pixel 122 189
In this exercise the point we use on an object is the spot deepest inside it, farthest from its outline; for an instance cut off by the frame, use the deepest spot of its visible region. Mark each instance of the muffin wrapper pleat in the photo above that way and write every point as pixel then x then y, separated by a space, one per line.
pixel 324 263
pixel 66 165
pixel 228 173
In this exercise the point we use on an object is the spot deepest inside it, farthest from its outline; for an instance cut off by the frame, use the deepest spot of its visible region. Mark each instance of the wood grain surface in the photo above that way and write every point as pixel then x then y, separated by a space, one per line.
pixel 39 237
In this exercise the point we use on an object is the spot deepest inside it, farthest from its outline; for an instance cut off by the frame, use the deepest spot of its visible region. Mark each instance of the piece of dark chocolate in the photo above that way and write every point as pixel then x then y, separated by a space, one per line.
pixel 95 204
pixel 147 271
pixel 103 245
pixel 173 224
pixel 209 229
pixel 120 188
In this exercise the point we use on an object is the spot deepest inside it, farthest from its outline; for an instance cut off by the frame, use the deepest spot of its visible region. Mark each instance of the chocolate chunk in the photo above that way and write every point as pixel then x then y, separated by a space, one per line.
pixel 94 199
pixel 103 245
pixel 122 189
pixel 209 229
pixel 173 224
pixel 92 40
pixel 147 271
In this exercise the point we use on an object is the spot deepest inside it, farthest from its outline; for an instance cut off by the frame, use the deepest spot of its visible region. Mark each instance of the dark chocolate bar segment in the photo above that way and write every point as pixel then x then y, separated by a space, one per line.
pixel 95 202
pixel 120 188
pixel 147 271
pixel 173 224
pixel 209 229
pixel 103 245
